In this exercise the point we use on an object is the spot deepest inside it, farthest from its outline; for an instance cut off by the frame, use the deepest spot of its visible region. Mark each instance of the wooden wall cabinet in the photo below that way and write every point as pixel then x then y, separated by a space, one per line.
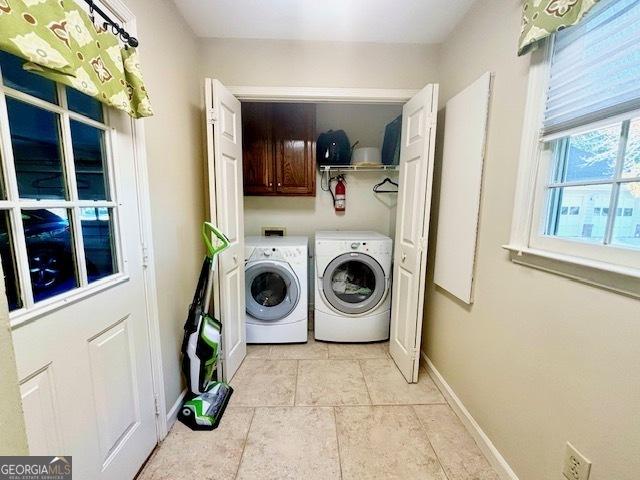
pixel 278 148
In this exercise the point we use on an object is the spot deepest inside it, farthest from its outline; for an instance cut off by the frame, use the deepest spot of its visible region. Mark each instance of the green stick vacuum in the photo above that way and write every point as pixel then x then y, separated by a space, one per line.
pixel 207 396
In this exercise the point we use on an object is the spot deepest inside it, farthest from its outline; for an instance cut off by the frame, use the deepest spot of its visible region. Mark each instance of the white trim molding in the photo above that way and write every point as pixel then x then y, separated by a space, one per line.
pixel 485 444
pixel 619 279
pixel 526 179
pixel 325 95
pixel 172 414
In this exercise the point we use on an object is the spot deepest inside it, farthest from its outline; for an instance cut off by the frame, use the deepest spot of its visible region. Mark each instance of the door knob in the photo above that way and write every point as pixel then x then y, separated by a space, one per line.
pixel 235 259
pixel 403 257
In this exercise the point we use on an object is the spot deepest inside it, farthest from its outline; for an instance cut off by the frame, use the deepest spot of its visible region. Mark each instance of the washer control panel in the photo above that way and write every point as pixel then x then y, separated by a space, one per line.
pixel 288 254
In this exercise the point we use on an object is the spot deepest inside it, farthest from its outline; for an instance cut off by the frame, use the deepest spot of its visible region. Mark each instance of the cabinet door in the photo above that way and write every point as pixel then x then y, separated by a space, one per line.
pixel 294 126
pixel 257 149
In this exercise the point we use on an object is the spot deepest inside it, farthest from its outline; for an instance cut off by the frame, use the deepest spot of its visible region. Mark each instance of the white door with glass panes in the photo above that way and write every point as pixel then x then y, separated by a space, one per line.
pixel 412 229
pixel 70 243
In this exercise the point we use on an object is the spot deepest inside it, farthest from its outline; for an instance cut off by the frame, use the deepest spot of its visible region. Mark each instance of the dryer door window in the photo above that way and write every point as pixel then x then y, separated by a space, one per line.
pixel 354 283
pixel 272 291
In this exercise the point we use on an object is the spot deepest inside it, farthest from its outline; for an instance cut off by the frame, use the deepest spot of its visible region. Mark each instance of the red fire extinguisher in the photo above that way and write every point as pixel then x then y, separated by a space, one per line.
pixel 339 202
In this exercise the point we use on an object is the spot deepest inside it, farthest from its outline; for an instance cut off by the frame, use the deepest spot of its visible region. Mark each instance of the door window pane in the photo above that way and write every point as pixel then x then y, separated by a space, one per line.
pixel 580 203
pixel 50 251
pixel 14 76
pixel 35 137
pixel 269 289
pixel 590 156
pixel 353 281
pixel 8 255
pixel 84 104
pixel 626 229
pixel 631 167
pixel 97 234
pixel 89 157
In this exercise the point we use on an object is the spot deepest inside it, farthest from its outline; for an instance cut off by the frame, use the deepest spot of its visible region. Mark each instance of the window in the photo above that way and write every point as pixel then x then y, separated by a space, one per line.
pixel 57 201
pixel 595 169
pixel 578 196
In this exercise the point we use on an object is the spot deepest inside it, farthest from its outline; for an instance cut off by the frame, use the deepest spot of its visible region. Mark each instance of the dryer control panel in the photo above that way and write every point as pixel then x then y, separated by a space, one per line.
pixel 371 247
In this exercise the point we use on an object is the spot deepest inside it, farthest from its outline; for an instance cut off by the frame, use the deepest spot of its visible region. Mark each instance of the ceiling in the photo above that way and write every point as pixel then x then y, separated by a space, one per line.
pixel 386 21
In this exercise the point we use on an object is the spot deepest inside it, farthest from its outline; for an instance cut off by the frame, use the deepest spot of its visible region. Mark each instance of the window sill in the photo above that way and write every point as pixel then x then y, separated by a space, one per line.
pixel 620 279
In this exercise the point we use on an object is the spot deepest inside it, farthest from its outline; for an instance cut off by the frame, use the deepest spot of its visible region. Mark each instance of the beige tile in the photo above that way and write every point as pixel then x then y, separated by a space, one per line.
pixel 258 351
pixel 186 454
pixel 291 443
pixel 331 382
pixel 387 386
pixel 300 351
pixel 384 442
pixel 358 350
pixel 457 451
pixel 264 382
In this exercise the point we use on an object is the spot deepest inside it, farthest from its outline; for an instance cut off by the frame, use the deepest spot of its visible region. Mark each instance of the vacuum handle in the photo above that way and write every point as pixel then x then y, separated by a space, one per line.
pixel 207 230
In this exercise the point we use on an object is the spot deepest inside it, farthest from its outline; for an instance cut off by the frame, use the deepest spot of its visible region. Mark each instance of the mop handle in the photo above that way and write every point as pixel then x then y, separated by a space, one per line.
pixel 207 230
pixel 212 251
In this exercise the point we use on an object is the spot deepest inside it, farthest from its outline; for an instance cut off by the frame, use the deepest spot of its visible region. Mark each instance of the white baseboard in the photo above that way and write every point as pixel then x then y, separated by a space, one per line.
pixel 172 414
pixel 487 447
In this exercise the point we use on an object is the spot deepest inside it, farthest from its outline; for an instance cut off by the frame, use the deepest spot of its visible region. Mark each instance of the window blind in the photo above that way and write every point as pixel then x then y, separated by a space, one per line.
pixel 595 68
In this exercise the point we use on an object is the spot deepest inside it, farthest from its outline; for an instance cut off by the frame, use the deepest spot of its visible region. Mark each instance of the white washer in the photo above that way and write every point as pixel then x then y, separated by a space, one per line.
pixel 276 289
pixel 352 286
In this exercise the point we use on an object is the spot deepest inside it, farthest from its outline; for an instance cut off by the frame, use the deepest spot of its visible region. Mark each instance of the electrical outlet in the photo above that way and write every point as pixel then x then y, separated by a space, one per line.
pixel 576 466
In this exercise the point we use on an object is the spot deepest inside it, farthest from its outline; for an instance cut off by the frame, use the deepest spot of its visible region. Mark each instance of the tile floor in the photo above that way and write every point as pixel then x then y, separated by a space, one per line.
pixel 325 411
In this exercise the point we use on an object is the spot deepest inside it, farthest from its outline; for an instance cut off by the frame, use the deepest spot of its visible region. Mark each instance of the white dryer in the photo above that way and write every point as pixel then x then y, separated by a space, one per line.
pixel 353 286
pixel 276 289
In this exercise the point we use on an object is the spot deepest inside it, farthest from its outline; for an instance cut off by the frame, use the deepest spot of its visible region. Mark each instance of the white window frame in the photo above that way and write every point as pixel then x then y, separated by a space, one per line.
pixel 14 205
pixel 607 266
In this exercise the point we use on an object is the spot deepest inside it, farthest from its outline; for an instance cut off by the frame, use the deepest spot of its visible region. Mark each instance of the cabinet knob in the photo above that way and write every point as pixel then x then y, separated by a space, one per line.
pixel 279 184
pixel 271 184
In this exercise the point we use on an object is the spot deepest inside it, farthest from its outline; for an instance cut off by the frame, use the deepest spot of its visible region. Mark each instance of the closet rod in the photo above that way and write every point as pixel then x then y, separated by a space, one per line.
pixel 115 26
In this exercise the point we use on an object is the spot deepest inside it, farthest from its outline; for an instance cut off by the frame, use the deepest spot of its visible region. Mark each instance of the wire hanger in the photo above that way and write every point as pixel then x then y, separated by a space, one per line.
pixel 377 187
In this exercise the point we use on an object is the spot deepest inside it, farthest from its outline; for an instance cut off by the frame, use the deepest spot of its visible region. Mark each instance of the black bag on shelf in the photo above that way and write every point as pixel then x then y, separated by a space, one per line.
pixel 333 148
pixel 391 145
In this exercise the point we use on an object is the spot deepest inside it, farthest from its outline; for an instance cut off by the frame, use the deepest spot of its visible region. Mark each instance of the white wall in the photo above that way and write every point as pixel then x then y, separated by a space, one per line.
pixel 538 359
pixel 170 61
pixel 319 64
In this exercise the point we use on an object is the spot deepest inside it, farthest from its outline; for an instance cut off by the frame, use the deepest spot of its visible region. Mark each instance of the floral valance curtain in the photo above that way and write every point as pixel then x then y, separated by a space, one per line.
pixel 61 42
pixel 542 18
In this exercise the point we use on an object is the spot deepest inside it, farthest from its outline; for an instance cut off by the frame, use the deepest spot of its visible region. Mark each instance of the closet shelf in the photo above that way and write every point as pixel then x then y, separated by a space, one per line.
pixel 358 168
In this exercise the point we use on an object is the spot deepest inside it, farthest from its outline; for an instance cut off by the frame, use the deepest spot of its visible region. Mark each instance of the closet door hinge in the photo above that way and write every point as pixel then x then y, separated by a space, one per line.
pixel 416 353
pixel 145 256
pixel 211 116
pixel 156 404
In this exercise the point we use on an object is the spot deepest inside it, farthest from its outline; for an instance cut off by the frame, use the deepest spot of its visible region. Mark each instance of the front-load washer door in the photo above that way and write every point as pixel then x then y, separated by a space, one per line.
pixel 272 290
pixel 353 283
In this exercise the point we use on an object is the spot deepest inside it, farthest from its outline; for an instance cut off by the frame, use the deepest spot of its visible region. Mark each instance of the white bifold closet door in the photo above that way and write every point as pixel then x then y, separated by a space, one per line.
pixel 224 162
pixel 412 229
